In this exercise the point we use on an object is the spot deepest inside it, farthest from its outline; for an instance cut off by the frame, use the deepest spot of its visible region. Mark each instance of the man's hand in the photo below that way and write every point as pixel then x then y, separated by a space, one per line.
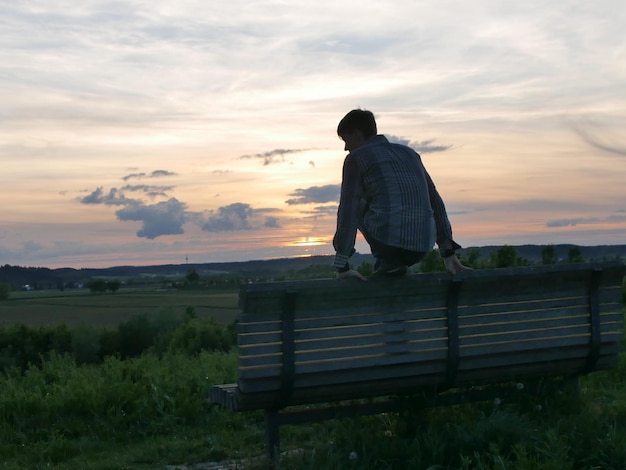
pixel 351 273
pixel 454 266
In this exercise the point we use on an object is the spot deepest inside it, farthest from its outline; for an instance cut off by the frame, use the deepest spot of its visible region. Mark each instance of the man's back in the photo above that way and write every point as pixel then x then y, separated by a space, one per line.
pixel 395 190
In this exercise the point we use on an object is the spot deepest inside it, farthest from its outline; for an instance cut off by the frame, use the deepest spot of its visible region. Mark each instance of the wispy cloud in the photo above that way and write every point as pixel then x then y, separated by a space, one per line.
pixel 154 174
pixel 599 144
pixel 572 222
pixel 424 146
pixel 272 156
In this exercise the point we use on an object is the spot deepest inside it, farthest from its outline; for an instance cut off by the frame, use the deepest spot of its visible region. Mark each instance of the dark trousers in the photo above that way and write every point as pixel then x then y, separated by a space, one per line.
pixel 391 256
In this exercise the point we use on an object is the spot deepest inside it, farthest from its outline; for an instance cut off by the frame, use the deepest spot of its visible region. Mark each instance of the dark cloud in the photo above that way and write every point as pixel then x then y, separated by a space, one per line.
pixel 424 146
pixel 149 190
pixel 162 218
pixel 113 198
pixel 273 156
pixel 315 194
pixel 154 174
pixel 232 217
pixel 161 173
pixel 595 142
pixel 239 216
pixel 271 222
pixel 326 210
pixel 133 175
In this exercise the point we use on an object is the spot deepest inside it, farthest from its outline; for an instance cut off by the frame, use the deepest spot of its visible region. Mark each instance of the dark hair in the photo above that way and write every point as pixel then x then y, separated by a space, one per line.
pixel 358 119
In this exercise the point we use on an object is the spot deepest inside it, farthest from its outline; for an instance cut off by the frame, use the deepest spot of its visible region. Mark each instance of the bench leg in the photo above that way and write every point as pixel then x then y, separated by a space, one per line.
pixel 272 434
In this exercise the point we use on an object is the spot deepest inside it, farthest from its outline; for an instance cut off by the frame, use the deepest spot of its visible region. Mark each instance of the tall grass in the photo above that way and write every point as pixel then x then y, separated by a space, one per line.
pixel 152 411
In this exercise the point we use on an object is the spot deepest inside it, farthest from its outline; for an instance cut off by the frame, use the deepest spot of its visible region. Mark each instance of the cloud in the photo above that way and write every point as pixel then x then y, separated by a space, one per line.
pixel 272 156
pixel 315 194
pixel 113 198
pixel 595 142
pixel 271 222
pixel 149 190
pixel 154 174
pixel 424 146
pixel 161 173
pixel 571 222
pixel 133 175
pixel 235 216
pixel 162 218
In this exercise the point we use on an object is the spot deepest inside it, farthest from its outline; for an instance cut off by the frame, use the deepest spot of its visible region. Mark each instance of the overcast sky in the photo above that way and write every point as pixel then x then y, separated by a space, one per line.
pixel 148 132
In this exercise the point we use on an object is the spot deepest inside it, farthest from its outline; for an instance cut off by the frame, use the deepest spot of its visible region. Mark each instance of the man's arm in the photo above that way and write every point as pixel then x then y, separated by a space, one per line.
pixel 447 246
pixel 348 215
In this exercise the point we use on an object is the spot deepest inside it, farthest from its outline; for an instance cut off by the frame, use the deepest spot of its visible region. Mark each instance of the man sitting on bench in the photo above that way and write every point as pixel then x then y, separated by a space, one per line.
pixel 388 195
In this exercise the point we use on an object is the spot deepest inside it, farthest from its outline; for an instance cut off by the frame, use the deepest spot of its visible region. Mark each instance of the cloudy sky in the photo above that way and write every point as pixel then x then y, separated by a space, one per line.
pixel 150 131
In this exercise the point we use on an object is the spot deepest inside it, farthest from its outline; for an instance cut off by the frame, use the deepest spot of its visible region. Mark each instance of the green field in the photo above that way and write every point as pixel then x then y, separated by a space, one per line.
pixel 81 307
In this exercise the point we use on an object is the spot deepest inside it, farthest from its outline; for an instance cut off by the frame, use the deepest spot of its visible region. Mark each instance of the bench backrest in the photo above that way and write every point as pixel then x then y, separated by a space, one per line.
pixel 326 340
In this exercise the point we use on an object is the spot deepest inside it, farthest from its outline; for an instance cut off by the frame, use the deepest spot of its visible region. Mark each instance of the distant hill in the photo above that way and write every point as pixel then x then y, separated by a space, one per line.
pixel 45 278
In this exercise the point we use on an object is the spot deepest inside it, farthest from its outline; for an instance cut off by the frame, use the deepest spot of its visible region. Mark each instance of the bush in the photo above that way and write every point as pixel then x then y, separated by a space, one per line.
pixel 22 346
pixel 200 335
pixel 5 291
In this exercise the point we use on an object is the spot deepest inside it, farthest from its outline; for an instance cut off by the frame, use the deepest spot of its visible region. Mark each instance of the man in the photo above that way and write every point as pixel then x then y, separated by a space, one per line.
pixel 387 194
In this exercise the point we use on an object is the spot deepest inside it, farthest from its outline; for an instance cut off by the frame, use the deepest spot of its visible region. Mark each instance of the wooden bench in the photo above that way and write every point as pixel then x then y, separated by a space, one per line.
pixel 328 341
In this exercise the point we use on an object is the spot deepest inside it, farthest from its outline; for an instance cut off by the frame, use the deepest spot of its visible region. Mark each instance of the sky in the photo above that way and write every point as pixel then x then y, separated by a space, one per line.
pixel 147 132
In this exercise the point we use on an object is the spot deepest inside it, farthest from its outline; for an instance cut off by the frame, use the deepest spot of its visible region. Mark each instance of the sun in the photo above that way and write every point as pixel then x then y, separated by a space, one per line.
pixel 308 241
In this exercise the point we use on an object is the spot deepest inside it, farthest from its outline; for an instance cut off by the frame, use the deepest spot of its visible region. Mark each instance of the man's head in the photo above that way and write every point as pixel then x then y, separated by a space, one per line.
pixel 356 127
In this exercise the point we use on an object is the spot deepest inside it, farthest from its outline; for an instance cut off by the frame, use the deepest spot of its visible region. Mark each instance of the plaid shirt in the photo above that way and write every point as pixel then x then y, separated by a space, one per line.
pixel 387 193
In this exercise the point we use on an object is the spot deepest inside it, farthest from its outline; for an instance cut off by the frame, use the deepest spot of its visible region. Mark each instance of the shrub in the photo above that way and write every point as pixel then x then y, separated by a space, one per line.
pixel 5 291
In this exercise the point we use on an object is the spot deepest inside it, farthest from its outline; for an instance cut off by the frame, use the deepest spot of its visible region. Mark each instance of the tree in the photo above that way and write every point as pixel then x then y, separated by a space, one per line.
pixel 506 257
pixel 113 286
pixel 5 291
pixel 97 286
pixel 471 257
pixel 192 276
pixel 575 255
pixel 549 255
pixel 366 268
pixel 432 262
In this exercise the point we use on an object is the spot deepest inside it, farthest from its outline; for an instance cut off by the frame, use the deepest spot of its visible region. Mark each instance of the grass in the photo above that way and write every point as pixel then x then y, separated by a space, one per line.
pixel 151 412
pixel 80 307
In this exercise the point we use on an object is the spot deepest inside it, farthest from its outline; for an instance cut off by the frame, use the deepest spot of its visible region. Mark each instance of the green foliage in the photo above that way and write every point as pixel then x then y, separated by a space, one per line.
pixel 5 291
pixel 431 262
pixel 471 258
pixel 506 257
pixel 314 271
pixel 151 411
pixel 100 286
pixel 575 255
pixel 55 412
pixel 113 286
pixel 22 346
pixel 549 255
pixel 192 276
pixel 366 268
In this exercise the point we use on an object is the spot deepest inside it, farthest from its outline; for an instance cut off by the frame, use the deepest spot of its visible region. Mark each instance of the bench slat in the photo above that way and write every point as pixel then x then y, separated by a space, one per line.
pixel 415 357
pixel 341 346
pixel 433 373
